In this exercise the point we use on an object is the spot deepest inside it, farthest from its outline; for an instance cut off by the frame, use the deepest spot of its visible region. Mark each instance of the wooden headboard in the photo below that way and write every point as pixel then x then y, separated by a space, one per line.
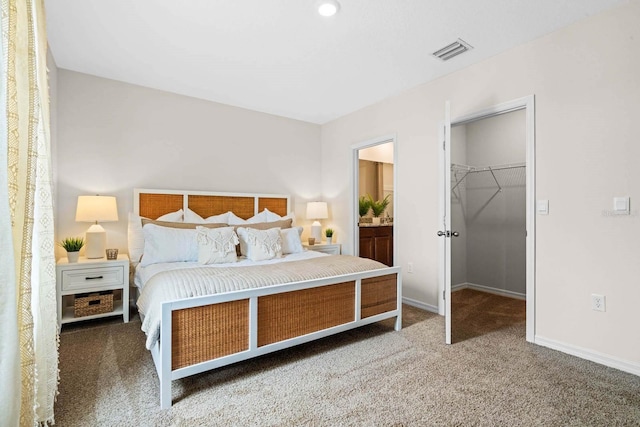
pixel 152 203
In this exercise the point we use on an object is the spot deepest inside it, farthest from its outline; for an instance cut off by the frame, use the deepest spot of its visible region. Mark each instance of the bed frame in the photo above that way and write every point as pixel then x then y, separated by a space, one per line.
pixel 203 333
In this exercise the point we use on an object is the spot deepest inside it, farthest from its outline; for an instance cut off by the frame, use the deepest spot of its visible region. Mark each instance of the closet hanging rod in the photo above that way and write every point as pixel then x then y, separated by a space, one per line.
pixel 471 169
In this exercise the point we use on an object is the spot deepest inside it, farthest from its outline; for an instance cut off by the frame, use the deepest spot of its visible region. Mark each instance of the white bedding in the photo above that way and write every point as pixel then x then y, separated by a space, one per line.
pixel 143 274
pixel 182 280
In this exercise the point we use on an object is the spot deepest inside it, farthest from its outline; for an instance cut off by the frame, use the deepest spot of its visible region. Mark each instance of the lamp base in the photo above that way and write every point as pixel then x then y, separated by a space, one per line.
pixel 316 231
pixel 96 242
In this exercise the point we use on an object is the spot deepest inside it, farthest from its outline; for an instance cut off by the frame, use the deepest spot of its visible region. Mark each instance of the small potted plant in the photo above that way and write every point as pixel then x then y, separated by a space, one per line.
pixel 72 245
pixel 364 205
pixel 378 207
pixel 329 233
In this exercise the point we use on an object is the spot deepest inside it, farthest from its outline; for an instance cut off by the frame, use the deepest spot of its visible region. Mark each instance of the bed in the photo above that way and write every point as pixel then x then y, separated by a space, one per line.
pixel 305 297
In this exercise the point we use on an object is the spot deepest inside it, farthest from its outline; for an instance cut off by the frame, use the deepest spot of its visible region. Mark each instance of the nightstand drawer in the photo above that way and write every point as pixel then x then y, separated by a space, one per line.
pixel 92 278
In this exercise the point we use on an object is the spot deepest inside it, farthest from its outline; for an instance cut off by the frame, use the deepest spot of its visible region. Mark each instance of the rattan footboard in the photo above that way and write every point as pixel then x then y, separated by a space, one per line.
pixel 208 332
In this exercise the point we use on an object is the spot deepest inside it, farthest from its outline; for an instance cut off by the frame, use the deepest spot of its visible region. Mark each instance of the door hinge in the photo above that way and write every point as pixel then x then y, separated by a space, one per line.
pixel 444 295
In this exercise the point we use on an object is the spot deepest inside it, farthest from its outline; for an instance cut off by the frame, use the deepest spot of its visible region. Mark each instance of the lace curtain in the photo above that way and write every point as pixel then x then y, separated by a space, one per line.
pixel 29 334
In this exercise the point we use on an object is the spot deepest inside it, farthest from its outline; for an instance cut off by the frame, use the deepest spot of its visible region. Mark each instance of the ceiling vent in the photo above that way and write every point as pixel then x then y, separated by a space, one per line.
pixel 454 49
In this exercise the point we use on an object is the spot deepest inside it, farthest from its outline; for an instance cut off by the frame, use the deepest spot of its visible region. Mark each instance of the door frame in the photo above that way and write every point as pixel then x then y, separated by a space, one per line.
pixel 528 104
pixel 355 176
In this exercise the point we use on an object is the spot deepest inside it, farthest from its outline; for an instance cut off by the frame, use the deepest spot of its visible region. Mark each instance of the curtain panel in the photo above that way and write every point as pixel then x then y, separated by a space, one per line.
pixel 29 341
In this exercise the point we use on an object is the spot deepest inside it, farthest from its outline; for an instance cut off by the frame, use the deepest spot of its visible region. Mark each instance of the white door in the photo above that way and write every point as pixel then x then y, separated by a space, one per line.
pixel 444 231
pixel 447 234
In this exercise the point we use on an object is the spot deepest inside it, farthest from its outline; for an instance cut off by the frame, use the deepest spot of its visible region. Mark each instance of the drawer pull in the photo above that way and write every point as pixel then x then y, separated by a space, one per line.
pixel 94 278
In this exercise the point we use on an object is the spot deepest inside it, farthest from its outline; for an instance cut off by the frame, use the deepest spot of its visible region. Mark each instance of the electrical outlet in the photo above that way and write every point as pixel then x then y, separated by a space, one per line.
pixel 598 302
pixel 410 267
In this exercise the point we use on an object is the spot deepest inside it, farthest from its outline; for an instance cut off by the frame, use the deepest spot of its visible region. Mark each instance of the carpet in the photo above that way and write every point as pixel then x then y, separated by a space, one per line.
pixel 372 376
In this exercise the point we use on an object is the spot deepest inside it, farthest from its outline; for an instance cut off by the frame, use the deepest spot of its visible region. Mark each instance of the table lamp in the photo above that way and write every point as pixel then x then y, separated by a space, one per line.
pixel 316 211
pixel 96 209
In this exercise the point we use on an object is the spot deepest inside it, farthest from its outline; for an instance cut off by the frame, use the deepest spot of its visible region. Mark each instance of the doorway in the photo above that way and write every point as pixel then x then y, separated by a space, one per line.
pixel 487 205
pixel 488 254
pixel 375 177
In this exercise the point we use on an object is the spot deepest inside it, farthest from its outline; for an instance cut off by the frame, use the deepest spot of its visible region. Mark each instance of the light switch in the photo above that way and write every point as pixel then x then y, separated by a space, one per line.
pixel 543 207
pixel 621 205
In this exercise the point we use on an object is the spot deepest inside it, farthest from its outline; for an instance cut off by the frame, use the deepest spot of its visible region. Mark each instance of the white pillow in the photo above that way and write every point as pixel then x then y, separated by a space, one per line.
pixel 216 245
pixel 176 216
pixel 221 219
pixel 291 243
pixel 235 220
pixel 135 238
pixel 192 217
pixel 272 216
pixel 258 245
pixel 165 244
pixel 259 217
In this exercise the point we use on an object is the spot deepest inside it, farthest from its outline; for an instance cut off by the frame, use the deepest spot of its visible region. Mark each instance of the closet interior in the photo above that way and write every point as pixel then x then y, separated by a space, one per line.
pixel 488 210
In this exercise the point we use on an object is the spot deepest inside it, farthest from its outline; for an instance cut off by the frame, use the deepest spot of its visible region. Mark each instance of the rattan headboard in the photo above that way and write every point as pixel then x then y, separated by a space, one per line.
pixel 151 203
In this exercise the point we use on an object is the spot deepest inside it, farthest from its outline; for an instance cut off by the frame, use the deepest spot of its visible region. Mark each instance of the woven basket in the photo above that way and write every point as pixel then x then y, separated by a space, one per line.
pixel 93 303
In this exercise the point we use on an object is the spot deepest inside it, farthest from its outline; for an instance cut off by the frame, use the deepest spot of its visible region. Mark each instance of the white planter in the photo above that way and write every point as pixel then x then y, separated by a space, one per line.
pixel 375 220
pixel 329 240
pixel 73 256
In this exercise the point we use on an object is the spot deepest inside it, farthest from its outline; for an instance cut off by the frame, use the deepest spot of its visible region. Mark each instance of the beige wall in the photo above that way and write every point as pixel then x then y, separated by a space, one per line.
pixel 586 82
pixel 114 137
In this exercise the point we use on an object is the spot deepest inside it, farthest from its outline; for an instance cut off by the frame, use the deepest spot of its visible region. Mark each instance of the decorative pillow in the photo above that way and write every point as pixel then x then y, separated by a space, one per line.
pixel 291 242
pixel 176 216
pixel 216 246
pixel 166 244
pixel 192 217
pixel 263 226
pixel 258 245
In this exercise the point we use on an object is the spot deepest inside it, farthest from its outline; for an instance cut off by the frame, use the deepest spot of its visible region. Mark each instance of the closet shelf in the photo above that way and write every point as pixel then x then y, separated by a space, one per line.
pixel 465 170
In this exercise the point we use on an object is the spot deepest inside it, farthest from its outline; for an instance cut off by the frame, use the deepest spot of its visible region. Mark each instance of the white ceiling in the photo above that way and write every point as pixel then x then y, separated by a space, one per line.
pixel 281 57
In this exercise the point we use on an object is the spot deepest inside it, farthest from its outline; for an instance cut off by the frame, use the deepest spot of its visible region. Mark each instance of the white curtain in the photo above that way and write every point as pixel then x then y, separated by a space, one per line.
pixel 29 334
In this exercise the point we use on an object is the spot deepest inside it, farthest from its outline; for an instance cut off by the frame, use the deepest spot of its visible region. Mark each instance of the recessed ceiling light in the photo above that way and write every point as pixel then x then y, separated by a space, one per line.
pixel 328 7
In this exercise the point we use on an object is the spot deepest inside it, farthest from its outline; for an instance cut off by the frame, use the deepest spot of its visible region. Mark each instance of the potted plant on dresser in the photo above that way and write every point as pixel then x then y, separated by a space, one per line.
pixel 378 207
pixel 329 233
pixel 364 205
pixel 72 245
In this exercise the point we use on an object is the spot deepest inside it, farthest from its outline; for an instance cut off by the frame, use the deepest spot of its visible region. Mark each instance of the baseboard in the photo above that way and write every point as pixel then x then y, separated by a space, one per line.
pixel 421 305
pixel 594 356
pixel 488 289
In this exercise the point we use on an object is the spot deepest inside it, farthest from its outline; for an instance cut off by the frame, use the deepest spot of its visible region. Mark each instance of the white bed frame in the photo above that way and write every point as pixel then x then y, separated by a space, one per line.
pixel 162 351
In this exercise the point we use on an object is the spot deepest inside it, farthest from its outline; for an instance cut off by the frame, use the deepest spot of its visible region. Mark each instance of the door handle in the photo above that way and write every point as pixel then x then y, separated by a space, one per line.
pixel 448 234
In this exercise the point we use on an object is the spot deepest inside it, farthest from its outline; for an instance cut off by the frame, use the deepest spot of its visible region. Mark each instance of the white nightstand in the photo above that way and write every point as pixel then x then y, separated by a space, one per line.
pixel 332 249
pixel 92 275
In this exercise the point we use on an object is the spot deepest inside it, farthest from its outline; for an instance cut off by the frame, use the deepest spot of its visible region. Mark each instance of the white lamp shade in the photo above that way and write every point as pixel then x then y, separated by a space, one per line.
pixel 96 209
pixel 317 210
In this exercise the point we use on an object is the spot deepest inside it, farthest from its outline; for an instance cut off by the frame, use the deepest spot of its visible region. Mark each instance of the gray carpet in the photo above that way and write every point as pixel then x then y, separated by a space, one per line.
pixel 372 376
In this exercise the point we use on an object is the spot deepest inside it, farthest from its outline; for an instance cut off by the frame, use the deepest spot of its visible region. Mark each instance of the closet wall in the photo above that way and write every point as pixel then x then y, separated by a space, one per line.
pixel 490 215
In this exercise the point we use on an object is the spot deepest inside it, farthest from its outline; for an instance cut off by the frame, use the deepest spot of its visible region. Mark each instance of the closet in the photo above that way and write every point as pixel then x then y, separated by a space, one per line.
pixel 488 205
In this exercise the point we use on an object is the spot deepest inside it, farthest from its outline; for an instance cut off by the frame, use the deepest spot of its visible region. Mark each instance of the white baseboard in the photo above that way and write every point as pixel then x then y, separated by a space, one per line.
pixel 488 289
pixel 594 356
pixel 421 305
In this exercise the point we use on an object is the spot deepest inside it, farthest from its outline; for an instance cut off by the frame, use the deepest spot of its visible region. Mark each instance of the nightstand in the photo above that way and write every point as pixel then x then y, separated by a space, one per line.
pixel 90 276
pixel 332 249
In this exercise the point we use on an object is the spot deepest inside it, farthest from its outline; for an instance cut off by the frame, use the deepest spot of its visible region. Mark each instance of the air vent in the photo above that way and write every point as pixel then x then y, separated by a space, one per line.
pixel 454 49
